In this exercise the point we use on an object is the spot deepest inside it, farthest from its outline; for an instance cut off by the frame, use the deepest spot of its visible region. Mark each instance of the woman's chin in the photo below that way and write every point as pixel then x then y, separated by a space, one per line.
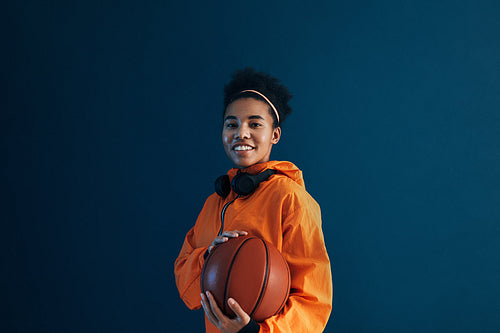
pixel 242 164
pixel 247 159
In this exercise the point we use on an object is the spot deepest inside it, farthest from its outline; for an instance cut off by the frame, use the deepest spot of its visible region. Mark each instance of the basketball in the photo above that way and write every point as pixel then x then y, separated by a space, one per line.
pixel 250 270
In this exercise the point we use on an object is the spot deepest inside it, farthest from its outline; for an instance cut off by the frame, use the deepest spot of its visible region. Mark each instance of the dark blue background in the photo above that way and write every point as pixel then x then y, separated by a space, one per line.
pixel 111 115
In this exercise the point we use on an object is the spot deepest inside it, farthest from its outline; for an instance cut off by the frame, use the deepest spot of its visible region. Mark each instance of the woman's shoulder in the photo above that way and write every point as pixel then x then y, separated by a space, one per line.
pixel 292 192
pixel 287 184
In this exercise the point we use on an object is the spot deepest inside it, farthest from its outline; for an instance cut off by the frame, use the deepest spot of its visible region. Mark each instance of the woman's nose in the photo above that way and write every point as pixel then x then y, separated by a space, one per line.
pixel 242 133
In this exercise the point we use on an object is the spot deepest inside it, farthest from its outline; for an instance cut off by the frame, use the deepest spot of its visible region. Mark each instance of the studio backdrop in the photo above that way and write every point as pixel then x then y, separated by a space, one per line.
pixel 111 113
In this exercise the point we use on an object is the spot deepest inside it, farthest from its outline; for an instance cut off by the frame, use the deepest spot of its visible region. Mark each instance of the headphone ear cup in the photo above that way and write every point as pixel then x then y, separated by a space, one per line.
pixel 243 184
pixel 222 186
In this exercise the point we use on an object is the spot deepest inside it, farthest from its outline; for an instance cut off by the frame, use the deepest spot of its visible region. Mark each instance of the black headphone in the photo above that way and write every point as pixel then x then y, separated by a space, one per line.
pixel 243 183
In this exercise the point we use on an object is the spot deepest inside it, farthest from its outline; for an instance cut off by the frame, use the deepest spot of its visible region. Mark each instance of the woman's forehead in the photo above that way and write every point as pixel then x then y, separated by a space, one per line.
pixel 247 108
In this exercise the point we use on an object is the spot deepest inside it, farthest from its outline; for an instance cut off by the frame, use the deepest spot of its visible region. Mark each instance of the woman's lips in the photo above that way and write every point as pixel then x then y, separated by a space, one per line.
pixel 243 148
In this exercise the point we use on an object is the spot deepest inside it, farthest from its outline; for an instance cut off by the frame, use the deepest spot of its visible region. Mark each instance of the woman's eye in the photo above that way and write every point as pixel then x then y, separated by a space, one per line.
pixel 230 125
pixel 256 125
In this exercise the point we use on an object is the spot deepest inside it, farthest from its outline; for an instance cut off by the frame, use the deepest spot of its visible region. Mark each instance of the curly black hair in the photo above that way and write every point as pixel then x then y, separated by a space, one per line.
pixel 271 87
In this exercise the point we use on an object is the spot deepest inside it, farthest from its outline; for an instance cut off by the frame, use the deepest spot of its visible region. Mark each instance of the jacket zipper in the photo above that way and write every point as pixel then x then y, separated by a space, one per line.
pixel 223 213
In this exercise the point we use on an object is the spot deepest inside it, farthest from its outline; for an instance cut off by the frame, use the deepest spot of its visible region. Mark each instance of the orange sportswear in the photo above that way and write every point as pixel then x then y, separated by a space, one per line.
pixel 283 213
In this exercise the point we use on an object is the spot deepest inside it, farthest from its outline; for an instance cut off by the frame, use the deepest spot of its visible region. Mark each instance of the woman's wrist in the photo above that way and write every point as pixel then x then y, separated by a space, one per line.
pixel 251 327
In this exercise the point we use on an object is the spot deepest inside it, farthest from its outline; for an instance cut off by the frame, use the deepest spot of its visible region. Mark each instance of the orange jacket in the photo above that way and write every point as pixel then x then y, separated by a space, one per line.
pixel 283 213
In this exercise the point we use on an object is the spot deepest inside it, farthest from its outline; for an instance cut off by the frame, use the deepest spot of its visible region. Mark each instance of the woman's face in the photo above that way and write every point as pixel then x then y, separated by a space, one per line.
pixel 248 134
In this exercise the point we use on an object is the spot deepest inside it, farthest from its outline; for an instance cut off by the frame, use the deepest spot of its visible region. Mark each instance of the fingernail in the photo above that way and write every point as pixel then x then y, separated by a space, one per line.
pixel 230 301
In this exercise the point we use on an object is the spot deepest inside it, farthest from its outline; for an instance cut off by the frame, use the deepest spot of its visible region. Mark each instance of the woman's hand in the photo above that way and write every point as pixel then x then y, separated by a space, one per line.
pixel 225 237
pixel 219 319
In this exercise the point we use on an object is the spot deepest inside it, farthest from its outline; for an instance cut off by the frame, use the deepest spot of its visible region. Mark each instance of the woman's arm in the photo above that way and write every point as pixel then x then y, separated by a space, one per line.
pixel 310 302
pixel 189 263
pixel 187 269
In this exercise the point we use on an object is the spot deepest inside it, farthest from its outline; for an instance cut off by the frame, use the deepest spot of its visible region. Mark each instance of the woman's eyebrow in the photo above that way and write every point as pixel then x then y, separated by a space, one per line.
pixel 234 118
pixel 255 117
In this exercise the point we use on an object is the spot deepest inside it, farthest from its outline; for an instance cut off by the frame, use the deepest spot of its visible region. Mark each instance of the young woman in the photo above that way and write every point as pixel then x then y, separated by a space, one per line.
pixel 279 210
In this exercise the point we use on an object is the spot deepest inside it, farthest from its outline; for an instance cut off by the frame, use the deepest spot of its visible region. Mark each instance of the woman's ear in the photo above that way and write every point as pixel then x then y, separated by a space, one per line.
pixel 276 135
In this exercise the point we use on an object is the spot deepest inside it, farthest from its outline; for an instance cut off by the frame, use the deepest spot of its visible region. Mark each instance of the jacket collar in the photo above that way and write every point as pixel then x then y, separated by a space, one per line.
pixel 283 167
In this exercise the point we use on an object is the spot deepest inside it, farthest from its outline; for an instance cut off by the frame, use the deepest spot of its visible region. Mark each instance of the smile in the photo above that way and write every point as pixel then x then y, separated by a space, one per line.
pixel 240 148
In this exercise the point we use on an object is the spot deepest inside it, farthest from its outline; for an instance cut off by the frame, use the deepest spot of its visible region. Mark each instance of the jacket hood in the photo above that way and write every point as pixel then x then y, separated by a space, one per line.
pixel 283 167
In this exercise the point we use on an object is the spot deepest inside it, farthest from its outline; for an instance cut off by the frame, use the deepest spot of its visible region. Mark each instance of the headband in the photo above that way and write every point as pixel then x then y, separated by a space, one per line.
pixel 267 100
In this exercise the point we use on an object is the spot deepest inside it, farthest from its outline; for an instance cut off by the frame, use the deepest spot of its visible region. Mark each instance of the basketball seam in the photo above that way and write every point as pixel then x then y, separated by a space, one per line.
pixel 264 284
pixel 288 286
pixel 202 277
pixel 229 272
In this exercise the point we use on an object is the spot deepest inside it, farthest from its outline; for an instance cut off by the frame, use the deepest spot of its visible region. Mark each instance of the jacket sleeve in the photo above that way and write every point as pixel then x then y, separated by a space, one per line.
pixel 310 302
pixel 188 266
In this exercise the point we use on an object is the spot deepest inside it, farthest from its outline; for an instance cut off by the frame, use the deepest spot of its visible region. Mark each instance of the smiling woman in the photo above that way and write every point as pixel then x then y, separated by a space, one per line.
pixel 248 133
pixel 277 209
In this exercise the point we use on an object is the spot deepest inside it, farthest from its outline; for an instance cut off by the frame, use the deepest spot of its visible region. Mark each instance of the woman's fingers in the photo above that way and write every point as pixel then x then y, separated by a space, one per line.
pixel 219 240
pixel 241 315
pixel 219 319
pixel 234 233
pixel 214 307
pixel 205 303
pixel 225 237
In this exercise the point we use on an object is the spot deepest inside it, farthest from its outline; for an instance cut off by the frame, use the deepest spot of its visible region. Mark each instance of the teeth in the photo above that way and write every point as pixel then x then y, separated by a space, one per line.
pixel 243 148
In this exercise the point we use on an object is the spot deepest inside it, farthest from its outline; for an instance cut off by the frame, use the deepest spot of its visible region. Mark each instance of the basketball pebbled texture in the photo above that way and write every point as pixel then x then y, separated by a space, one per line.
pixel 250 270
